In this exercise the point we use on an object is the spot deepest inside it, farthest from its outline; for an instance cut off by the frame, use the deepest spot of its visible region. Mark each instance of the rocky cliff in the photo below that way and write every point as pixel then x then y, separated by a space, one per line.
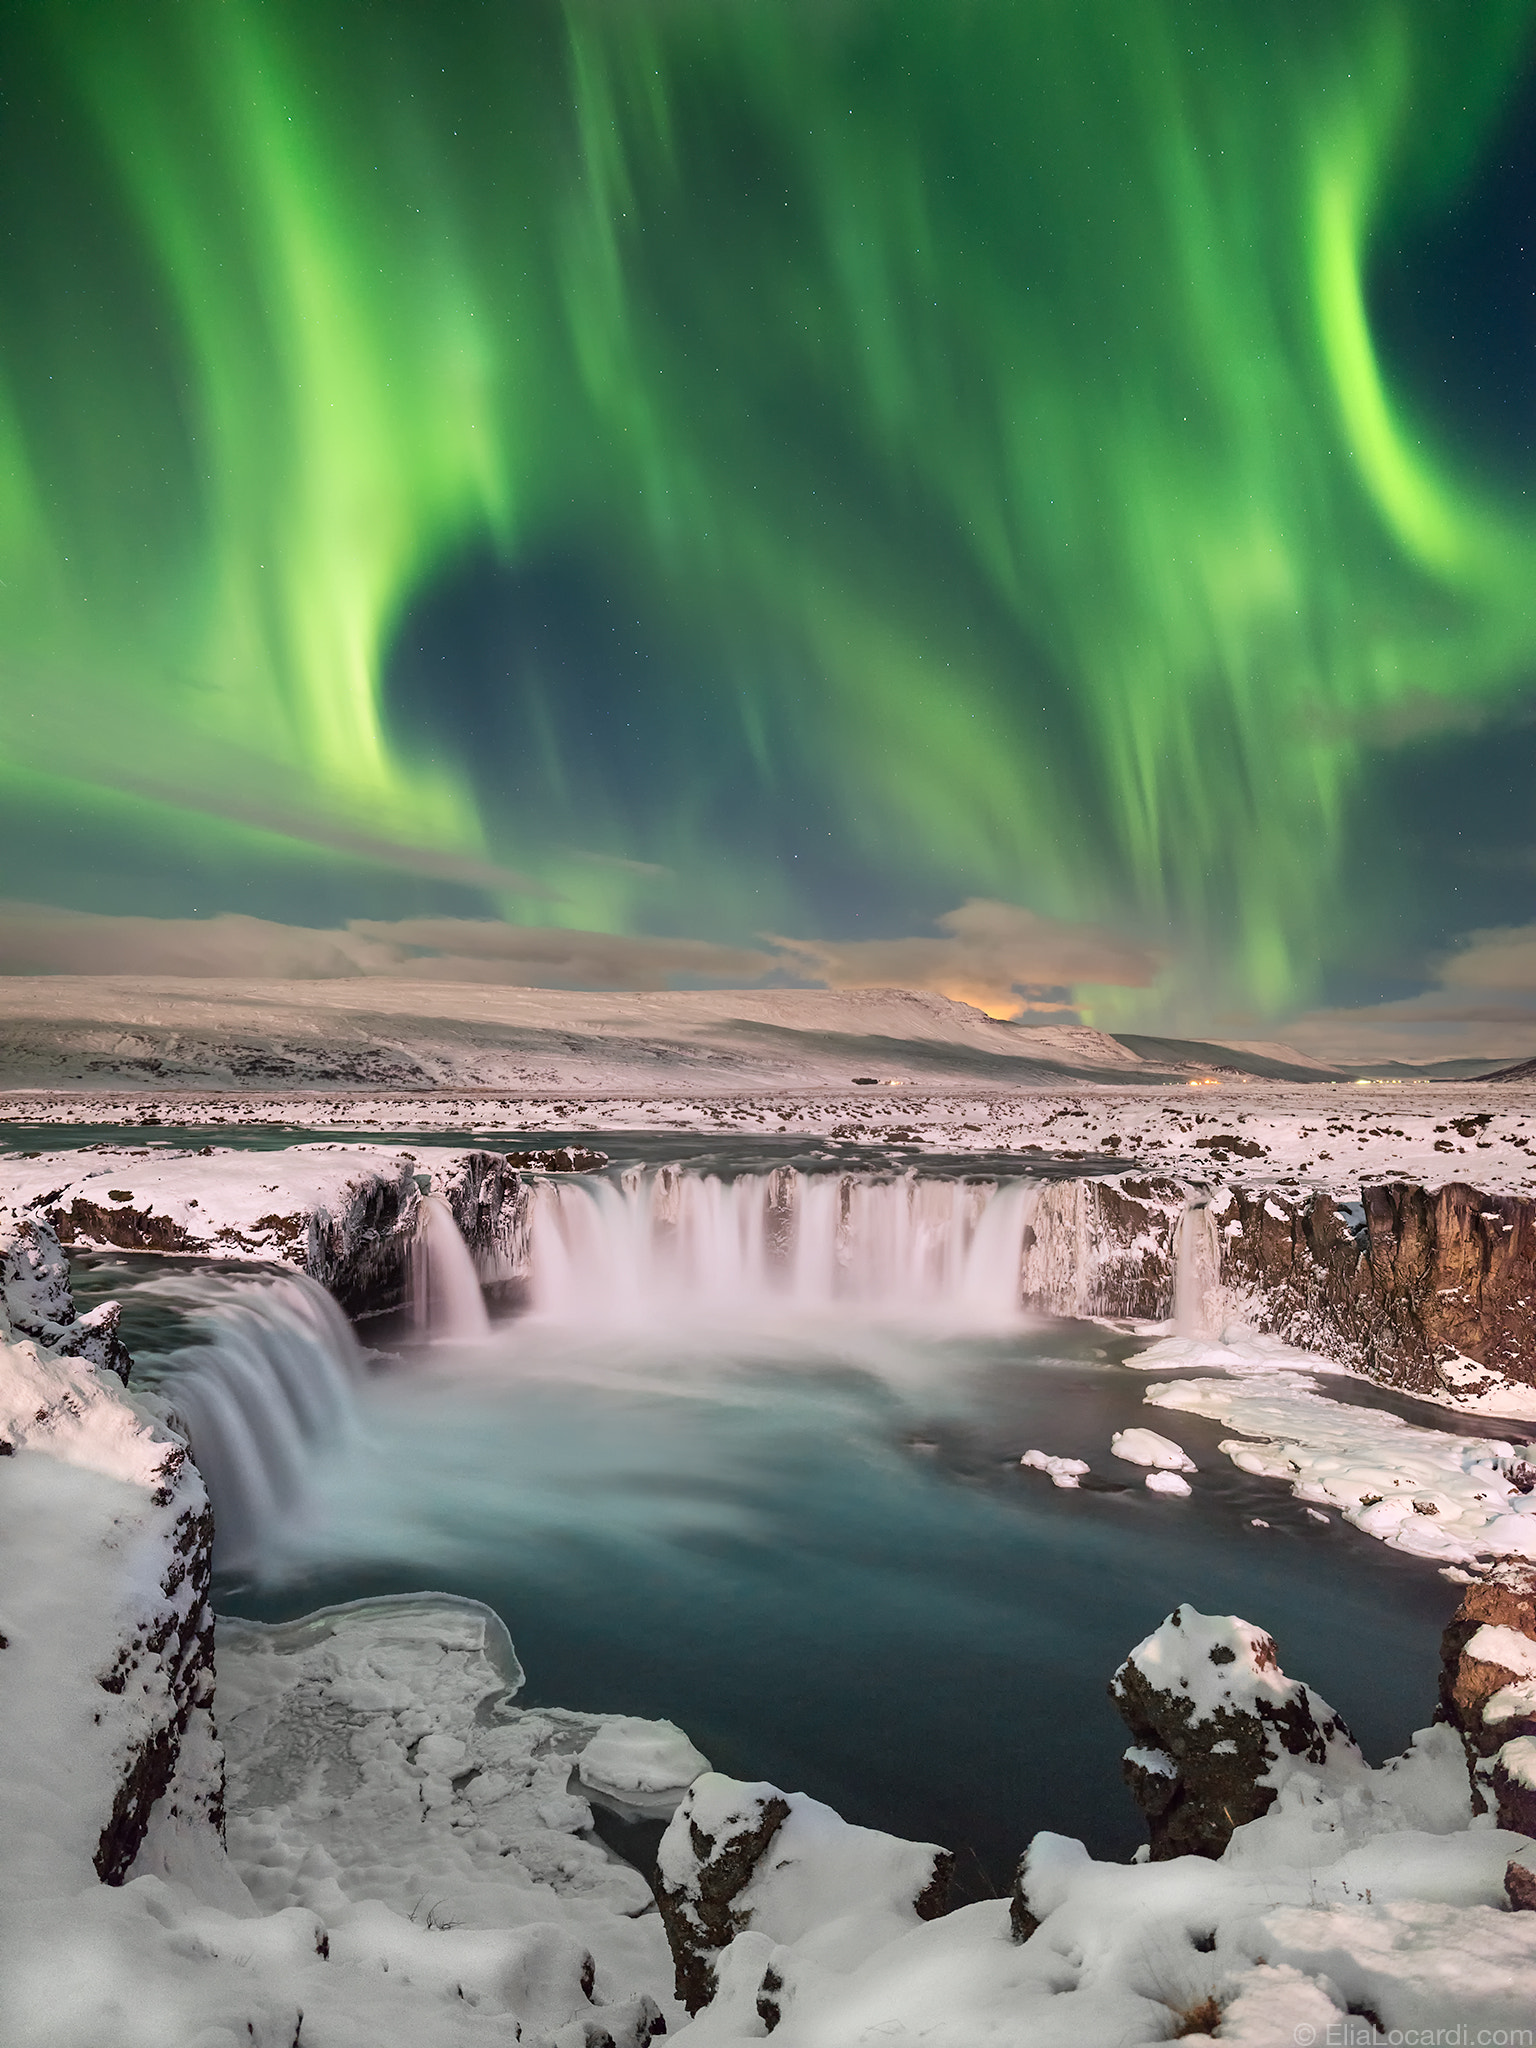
pixel 1431 1290
pixel 106 1634
pixel 1104 1247
pixel 1408 1285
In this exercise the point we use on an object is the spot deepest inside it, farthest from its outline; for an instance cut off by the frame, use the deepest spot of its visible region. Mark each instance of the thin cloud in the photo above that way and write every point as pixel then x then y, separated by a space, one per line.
pixel 37 939
pixel 1002 958
pixel 997 956
pixel 1483 1002
pixel 1502 958
pixel 552 957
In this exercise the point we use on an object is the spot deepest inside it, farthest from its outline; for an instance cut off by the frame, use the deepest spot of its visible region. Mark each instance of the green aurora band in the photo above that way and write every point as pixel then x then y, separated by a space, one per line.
pixel 989 388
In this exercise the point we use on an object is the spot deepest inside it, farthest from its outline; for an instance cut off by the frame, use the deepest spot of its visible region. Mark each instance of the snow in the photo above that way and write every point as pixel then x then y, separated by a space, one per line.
pixel 1167 1482
pixel 1065 1472
pixel 60 1408
pixel 1506 1647
pixel 1359 1889
pixel 1325 1135
pixel 220 1203
pixel 1146 1447
pixel 1429 1492
pixel 834 1891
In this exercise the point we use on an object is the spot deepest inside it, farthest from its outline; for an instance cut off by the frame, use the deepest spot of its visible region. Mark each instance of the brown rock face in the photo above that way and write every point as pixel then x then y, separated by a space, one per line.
pixel 131 1229
pixel 1424 1276
pixel 1512 1780
pixel 1495 1619
pixel 1467 1683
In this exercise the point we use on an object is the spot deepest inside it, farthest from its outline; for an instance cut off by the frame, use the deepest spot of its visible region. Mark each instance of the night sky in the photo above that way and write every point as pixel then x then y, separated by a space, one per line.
pixel 1031 500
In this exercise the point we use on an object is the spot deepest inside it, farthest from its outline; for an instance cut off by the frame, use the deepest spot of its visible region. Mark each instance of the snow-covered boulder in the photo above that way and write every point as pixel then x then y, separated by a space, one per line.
pixel 739 1858
pixel 1216 1727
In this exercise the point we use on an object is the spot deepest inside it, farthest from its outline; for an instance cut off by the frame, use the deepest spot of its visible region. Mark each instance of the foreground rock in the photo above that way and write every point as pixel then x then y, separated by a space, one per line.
pixel 741 1859
pixel 1216 1729
pixel 1353 1891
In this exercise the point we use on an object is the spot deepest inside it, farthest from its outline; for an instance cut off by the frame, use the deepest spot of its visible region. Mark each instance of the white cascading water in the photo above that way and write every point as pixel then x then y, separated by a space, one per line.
pixel 666 1242
pixel 1196 1271
pixel 445 1287
pixel 266 1389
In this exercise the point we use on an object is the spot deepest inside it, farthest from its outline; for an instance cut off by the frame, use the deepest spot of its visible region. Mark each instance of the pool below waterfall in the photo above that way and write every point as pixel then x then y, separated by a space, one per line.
pixel 799 1528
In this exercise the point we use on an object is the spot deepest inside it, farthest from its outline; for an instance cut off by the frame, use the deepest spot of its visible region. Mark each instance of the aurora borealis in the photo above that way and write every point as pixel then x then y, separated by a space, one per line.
pixel 714 468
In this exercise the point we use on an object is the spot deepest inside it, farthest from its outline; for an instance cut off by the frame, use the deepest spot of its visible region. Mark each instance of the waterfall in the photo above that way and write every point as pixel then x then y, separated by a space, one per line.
pixel 444 1283
pixel 1197 1269
pixel 264 1391
pixel 663 1243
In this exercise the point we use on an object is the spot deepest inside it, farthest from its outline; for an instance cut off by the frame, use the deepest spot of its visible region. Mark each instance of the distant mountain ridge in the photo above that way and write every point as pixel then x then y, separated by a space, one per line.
pixel 78 1032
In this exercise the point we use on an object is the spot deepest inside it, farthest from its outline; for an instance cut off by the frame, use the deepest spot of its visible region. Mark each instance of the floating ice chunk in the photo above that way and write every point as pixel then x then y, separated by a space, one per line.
pixel 1166 1482
pixel 629 1755
pixel 1062 1471
pixel 1146 1447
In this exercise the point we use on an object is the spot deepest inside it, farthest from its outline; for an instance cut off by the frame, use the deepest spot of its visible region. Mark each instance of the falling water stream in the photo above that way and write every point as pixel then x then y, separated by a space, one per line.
pixel 266 1388
pixel 1196 1272
pixel 445 1287
pixel 662 1243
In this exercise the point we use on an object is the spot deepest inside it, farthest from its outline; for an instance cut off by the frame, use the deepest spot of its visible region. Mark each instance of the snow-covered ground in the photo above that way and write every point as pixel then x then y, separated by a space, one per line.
pixel 1258 1133
pixel 214 1201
